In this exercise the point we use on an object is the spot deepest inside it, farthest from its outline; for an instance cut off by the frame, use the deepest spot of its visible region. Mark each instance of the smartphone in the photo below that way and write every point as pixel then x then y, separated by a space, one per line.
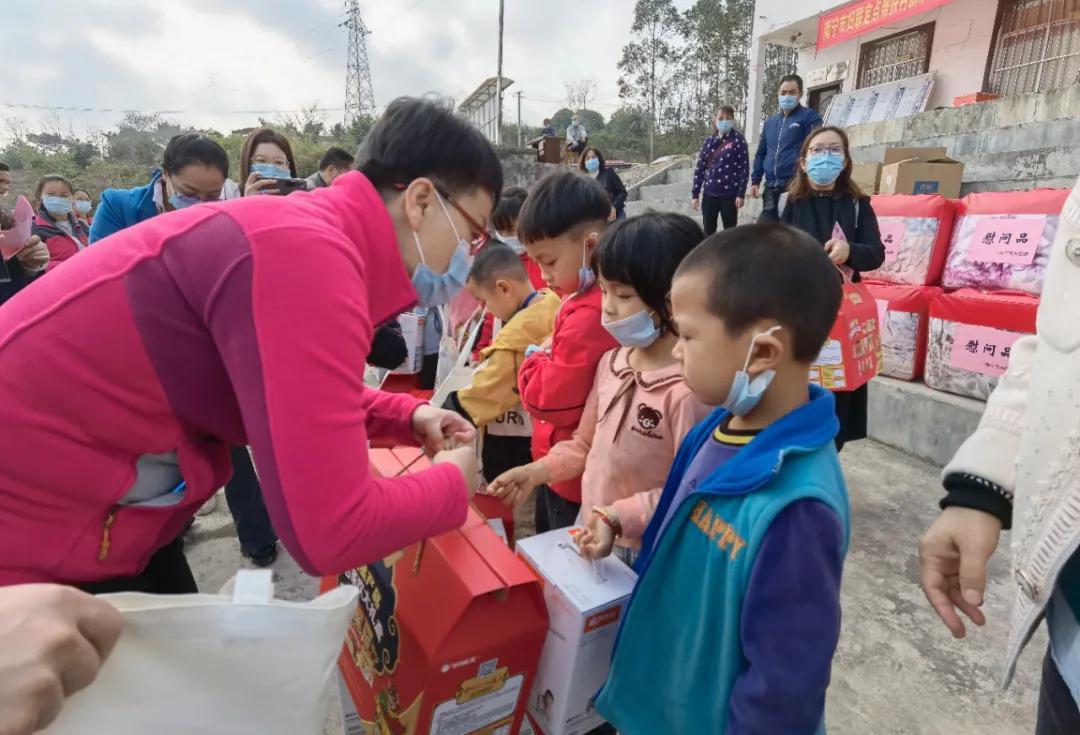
pixel 288 186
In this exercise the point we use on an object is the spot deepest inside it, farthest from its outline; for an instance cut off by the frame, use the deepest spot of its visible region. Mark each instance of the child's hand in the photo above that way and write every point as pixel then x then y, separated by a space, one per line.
pixel 598 538
pixel 515 486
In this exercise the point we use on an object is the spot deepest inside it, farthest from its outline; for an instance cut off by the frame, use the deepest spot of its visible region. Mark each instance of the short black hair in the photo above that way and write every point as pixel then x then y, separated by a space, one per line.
pixel 337 157
pixel 509 207
pixel 417 137
pixel 644 252
pixel 770 271
pixel 792 78
pixel 188 148
pixel 4 166
pixel 559 203
pixel 495 261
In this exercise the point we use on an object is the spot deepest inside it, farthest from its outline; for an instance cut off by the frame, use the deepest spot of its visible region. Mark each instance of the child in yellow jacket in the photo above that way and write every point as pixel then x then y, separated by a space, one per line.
pixel 498 279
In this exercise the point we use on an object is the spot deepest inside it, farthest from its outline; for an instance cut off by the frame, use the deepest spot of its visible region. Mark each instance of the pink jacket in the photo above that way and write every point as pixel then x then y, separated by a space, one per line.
pixel 630 430
pixel 246 321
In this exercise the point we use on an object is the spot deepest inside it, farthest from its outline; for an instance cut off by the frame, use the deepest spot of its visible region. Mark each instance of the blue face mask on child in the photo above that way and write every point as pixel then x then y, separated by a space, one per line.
pixel 433 289
pixel 724 126
pixel 634 331
pixel 57 206
pixel 824 168
pixel 586 277
pixel 592 165
pixel 746 393
pixel 514 243
pixel 270 171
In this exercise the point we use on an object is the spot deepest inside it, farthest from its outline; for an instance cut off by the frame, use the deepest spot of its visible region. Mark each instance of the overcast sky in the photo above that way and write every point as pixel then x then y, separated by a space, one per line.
pixel 211 58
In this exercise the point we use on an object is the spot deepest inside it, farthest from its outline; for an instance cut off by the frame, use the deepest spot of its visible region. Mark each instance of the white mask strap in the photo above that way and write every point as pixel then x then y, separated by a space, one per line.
pixel 753 341
pixel 447 213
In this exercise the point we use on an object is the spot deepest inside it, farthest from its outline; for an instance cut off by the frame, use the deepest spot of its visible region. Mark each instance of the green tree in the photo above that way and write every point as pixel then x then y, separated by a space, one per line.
pixel 648 60
pixel 561 120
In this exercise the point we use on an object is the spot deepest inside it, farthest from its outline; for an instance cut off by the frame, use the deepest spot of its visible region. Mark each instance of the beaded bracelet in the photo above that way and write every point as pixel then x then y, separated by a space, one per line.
pixel 609 519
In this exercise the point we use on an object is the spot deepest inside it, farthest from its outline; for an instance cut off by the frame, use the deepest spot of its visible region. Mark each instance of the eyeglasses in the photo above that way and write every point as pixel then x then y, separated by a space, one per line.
pixel 480 235
pixel 836 150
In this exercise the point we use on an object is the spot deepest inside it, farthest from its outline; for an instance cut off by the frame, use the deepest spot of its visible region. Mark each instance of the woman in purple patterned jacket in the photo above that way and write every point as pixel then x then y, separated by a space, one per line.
pixel 722 173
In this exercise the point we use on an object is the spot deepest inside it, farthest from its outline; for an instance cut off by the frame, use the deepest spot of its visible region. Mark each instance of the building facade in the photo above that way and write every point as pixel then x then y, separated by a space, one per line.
pixel 971 47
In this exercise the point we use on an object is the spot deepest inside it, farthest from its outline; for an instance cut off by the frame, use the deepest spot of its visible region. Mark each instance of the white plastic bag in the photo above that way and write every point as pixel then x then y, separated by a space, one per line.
pixel 454 372
pixel 226 664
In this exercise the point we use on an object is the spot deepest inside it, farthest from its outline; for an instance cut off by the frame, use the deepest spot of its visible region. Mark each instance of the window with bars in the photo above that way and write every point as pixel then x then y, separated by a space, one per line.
pixel 900 56
pixel 1038 46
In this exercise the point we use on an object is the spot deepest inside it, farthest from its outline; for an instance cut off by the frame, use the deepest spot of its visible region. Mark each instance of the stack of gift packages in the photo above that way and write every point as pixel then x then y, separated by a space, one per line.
pixel 960 283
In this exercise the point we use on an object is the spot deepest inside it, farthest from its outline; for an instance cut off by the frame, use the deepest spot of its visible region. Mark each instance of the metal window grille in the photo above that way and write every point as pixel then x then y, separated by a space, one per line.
pixel 896 57
pixel 1038 47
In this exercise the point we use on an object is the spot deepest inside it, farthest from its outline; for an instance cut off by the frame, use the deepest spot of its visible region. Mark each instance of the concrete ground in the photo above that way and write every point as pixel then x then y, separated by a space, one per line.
pixel 897 670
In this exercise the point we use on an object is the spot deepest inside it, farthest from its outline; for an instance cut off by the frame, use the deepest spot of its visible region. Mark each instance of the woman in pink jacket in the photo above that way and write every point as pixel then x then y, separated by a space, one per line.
pixel 233 323
pixel 640 407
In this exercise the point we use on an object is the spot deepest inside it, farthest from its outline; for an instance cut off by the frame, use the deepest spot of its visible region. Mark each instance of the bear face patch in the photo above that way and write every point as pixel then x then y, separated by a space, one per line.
pixel 648 418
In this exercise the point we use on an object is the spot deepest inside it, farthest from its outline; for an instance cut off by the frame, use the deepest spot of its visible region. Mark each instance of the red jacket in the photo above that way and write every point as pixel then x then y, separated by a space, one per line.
pixel 555 386
pixel 536 278
pixel 61 245
pixel 229 323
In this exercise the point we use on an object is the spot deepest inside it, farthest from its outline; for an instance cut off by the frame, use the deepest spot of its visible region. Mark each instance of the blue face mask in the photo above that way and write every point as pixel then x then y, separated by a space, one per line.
pixel 83 206
pixel 514 243
pixel 586 277
pixel 746 393
pixel 270 171
pixel 592 165
pixel 824 168
pixel 180 201
pixel 788 102
pixel 433 289
pixel 634 331
pixel 57 206
pixel 724 126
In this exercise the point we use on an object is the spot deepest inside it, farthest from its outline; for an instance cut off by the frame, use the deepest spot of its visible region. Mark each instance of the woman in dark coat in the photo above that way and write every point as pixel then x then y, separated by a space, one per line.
pixel 821 198
pixel 593 163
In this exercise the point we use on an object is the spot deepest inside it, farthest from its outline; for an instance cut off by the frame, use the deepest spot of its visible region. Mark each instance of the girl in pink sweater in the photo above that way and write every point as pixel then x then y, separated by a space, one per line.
pixel 639 408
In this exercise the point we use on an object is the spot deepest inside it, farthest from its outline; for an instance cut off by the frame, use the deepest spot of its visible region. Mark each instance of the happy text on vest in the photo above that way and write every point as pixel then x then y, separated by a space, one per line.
pixel 717 529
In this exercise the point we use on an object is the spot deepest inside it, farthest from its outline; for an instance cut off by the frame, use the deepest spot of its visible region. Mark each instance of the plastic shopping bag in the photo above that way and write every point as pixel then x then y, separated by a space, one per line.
pixel 226 664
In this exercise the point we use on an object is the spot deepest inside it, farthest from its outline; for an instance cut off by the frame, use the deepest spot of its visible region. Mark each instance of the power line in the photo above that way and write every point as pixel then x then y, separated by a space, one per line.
pixel 75 108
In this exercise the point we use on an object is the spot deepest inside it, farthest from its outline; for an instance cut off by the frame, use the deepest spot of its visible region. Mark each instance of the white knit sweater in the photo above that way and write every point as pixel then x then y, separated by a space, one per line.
pixel 1028 441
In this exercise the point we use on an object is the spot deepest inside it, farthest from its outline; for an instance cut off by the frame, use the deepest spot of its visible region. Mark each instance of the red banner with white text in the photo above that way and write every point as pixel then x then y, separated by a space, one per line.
pixel 842 24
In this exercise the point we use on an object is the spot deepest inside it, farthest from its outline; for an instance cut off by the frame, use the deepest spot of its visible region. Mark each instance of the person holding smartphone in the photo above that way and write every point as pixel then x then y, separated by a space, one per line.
pixel 267 164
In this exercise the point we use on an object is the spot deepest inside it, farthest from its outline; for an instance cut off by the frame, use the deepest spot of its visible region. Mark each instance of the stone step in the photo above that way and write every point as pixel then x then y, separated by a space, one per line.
pixel 920 421
pixel 682 206
pixel 665 191
pixel 683 176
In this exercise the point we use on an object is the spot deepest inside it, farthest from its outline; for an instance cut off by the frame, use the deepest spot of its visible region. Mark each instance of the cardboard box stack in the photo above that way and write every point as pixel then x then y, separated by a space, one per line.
pixel 993 247
pixel 920 171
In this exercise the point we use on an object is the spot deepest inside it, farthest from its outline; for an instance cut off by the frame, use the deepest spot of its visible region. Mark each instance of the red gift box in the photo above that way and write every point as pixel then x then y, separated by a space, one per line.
pixel 907 220
pixel 446 638
pixel 903 313
pixel 850 357
pixel 971 336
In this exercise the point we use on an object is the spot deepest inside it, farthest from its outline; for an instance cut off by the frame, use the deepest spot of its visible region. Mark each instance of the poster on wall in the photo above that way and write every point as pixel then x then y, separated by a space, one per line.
pixel 883 102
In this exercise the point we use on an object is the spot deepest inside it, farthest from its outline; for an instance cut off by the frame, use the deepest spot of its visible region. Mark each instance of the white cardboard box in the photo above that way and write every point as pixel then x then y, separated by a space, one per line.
pixel 585 603
pixel 412 331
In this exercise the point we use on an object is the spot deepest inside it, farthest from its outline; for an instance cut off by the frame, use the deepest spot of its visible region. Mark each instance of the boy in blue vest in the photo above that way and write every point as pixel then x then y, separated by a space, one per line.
pixel 736 614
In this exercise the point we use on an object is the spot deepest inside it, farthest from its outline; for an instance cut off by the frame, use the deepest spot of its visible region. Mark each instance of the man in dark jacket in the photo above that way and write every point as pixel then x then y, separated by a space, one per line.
pixel 781 140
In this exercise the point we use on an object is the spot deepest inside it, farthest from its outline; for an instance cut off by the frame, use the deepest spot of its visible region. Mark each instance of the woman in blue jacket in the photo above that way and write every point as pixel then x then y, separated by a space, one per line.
pixel 193 170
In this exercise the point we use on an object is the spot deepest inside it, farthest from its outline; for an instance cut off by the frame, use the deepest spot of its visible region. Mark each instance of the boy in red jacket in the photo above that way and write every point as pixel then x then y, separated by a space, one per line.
pixel 560 224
